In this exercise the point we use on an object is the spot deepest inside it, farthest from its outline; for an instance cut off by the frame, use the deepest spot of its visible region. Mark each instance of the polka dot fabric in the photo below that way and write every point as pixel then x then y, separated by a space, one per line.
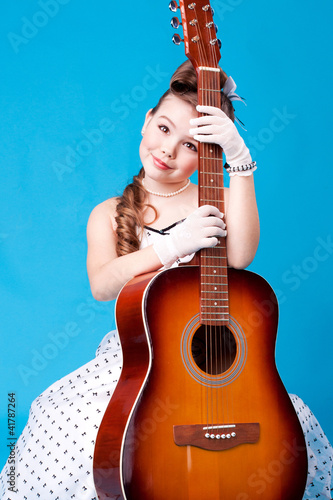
pixel 320 453
pixel 55 450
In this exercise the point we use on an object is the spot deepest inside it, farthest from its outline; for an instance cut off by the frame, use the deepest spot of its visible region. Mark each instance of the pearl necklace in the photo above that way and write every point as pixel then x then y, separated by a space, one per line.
pixel 167 195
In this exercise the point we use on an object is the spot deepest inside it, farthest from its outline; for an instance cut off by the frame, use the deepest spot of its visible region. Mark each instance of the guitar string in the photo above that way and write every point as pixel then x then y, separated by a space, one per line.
pixel 207 329
pixel 216 335
pixel 217 332
pixel 211 329
pixel 201 284
pixel 214 330
pixel 221 332
pixel 223 351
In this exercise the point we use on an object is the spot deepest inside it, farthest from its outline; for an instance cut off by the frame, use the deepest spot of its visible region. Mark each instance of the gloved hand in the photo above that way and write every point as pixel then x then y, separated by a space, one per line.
pixel 216 127
pixel 199 230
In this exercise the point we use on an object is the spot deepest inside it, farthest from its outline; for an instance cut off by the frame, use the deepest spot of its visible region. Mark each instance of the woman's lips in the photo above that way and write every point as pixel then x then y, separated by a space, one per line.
pixel 160 164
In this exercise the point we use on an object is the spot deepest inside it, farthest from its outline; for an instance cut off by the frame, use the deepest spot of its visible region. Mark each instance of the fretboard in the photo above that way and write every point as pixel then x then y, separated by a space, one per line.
pixel 214 303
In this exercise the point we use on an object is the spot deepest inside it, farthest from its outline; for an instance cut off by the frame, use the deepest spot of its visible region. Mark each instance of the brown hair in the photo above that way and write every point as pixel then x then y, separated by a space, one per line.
pixel 133 201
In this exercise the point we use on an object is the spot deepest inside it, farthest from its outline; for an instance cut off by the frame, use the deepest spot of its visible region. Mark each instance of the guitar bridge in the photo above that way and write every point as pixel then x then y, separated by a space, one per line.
pixel 216 437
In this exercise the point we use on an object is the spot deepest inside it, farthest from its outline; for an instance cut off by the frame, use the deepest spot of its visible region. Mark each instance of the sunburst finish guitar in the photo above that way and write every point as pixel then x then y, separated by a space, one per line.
pixel 200 412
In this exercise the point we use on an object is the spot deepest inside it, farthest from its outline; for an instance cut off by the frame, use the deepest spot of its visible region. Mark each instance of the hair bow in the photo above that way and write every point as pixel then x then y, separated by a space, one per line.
pixel 229 90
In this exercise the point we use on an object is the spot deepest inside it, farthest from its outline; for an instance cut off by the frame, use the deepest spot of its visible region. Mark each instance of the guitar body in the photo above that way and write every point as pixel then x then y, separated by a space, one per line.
pixel 179 430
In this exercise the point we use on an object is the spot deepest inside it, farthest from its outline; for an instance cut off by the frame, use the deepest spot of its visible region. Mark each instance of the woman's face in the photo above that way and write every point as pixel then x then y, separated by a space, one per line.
pixel 168 153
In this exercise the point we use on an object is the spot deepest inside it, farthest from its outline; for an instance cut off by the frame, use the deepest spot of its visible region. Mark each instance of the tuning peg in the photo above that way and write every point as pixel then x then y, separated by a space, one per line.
pixel 208 7
pixel 173 6
pixel 216 41
pixel 175 23
pixel 212 25
pixel 176 39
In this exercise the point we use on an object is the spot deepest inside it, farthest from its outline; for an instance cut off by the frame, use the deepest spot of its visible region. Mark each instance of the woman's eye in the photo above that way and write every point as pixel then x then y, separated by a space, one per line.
pixel 191 146
pixel 163 128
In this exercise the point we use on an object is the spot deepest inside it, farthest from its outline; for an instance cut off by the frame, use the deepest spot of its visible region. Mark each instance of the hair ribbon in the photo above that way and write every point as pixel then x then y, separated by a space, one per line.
pixel 229 91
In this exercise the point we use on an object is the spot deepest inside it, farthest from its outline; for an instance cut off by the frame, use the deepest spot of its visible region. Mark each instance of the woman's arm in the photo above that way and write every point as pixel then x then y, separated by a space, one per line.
pixel 107 272
pixel 242 221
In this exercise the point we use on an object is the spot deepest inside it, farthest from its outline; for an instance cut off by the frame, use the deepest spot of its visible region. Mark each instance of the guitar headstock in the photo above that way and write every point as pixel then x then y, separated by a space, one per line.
pixel 202 46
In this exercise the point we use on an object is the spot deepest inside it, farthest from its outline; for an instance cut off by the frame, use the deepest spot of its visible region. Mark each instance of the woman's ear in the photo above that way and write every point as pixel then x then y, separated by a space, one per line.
pixel 147 120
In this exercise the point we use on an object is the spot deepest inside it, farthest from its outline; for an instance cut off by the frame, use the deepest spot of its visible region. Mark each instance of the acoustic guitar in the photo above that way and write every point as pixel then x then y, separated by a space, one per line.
pixel 200 412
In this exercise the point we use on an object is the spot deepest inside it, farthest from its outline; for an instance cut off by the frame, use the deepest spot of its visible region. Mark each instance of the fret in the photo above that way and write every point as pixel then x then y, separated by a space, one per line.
pixel 207 172
pixel 211 284
pixel 210 319
pixel 213 271
pixel 216 303
pixel 212 291
pixel 217 263
pixel 220 257
pixel 211 200
pixel 219 320
pixel 210 315
pixel 214 300
pixel 218 314
pixel 219 248
pixel 215 266
pixel 210 90
pixel 214 261
pixel 212 275
pixel 216 307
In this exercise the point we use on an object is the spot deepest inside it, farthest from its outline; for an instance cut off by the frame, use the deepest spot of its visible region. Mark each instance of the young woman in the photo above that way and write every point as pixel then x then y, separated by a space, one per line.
pixel 162 195
pixel 155 223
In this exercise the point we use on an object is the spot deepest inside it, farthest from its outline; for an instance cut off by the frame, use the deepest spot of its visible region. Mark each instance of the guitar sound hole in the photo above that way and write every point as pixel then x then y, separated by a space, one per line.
pixel 213 349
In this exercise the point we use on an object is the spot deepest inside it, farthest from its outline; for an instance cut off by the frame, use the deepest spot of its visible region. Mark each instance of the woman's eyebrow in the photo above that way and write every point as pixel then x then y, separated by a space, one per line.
pixel 163 117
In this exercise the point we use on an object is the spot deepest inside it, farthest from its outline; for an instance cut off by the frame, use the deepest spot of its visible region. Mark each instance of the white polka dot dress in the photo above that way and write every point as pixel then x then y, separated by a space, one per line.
pixel 55 450
pixel 320 453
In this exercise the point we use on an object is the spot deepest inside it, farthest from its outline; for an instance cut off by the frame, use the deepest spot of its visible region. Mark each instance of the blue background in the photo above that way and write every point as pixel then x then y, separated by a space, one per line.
pixel 76 81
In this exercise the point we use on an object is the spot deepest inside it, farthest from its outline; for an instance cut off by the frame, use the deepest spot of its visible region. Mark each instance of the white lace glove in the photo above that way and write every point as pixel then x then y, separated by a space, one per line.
pixel 199 230
pixel 216 127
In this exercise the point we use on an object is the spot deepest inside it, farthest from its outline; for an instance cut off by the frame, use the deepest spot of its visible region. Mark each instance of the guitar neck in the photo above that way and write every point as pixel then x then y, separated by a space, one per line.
pixel 214 303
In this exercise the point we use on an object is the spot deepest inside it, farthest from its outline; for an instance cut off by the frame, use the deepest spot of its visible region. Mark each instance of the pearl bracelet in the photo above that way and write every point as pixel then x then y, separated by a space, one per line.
pixel 242 168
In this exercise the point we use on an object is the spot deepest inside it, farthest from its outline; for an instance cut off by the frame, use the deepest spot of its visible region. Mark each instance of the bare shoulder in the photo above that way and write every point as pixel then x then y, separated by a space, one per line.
pixel 103 213
pixel 101 235
pixel 106 207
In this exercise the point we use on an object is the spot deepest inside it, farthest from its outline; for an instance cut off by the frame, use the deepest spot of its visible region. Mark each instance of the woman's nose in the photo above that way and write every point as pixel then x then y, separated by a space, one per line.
pixel 168 149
